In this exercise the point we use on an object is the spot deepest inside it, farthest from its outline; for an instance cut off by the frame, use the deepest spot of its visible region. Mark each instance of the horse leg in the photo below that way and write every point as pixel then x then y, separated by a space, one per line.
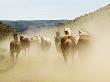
pixel 17 55
pixel 74 53
pixel 65 57
pixel 25 51
pixel 22 51
pixel 28 49
pixel 12 56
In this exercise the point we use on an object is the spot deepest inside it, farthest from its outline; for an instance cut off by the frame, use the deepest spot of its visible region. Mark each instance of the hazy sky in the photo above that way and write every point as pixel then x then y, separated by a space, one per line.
pixel 47 9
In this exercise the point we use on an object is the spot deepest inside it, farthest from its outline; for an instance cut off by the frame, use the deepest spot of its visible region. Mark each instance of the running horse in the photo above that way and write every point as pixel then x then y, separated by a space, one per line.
pixel 68 44
pixel 85 44
pixel 57 40
pixel 45 43
pixel 15 47
pixel 25 44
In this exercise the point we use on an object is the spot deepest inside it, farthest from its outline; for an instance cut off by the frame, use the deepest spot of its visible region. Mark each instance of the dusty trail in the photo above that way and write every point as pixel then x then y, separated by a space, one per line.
pixel 38 66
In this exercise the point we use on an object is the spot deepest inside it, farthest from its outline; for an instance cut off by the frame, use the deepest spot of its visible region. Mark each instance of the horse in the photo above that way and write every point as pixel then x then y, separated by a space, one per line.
pixel 85 44
pixel 45 43
pixel 38 39
pixel 68 44
pixel 15 47
pixel 25 44
pixel 35 43
pixel 57 40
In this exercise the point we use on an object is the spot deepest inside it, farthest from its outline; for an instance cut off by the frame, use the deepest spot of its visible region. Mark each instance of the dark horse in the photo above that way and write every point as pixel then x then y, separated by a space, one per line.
pixel 15 47
pixel 25 44
pixel 68 45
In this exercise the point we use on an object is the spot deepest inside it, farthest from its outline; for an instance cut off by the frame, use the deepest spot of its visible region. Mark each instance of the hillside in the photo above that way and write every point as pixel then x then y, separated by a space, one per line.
pixel 5 30
pixel 96 21
pixel 24 25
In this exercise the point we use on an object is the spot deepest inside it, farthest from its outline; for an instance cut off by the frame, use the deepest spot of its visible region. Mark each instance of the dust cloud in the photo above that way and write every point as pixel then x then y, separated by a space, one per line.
pixel 49 66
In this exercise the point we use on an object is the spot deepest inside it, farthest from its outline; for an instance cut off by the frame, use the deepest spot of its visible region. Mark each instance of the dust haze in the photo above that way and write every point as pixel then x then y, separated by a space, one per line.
pixel 49 66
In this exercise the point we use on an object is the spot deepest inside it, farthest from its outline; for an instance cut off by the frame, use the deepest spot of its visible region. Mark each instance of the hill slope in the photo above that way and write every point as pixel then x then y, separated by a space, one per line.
pixel 5 30
pixel 39 24
pixel 96 21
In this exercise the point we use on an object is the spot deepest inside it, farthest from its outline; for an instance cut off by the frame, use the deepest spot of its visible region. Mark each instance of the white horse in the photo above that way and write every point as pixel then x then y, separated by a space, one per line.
pixel 45 43
pixel 38 39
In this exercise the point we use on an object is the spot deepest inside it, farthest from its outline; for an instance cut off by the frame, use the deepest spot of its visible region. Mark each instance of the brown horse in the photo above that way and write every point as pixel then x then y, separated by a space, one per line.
pixel 15 47
pixel 85 44
pixel 68 45
pixel 25 44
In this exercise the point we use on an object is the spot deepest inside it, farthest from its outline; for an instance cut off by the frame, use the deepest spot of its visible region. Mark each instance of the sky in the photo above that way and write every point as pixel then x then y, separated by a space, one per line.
pixel 47 9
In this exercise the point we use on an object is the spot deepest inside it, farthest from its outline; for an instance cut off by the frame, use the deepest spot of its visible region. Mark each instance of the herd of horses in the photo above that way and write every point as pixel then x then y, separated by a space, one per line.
pixel 66 44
